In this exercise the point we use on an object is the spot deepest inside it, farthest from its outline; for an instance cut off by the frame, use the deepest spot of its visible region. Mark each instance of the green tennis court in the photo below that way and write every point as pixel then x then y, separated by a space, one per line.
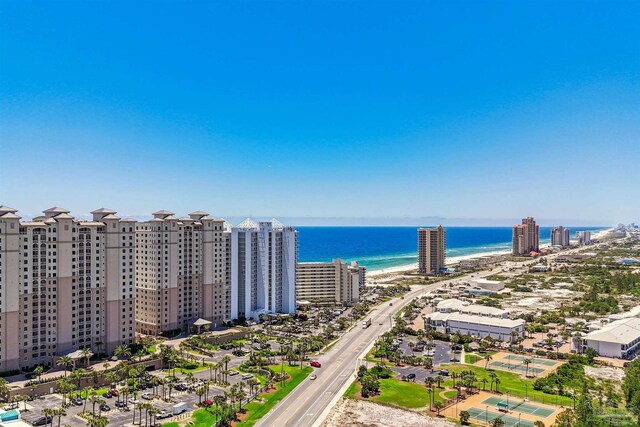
pixel 534 360
pixel 484 415
pixel 517 405
pixel 516 367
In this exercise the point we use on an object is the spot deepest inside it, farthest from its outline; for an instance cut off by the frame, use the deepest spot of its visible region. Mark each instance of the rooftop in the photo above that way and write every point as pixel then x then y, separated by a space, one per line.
pixel 476 320
pixel 621 331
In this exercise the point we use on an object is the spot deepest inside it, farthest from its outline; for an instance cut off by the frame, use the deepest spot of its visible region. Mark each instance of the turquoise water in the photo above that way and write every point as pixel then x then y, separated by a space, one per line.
pixel 383 247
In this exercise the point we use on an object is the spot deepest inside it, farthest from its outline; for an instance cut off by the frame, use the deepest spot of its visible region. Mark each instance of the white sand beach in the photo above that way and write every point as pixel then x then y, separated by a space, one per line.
pixel 457 259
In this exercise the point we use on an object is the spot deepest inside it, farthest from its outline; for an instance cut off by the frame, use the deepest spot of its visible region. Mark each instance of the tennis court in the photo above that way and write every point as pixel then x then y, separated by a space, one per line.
pixel 534 360
pixel 516 367
pixel 486 416
pixel 518 405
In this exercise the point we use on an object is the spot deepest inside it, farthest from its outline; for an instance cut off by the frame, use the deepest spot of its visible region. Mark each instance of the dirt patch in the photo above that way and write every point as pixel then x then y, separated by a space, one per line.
pixel 605 373
pixel 358 413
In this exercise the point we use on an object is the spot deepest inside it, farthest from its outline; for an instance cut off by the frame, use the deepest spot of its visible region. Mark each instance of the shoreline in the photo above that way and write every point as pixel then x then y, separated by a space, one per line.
pixel 456 259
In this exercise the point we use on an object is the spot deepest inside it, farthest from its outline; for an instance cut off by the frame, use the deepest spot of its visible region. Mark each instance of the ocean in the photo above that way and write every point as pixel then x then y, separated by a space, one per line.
pixel 383 247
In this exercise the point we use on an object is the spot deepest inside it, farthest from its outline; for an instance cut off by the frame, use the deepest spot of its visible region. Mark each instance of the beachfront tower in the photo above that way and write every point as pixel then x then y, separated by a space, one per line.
pixel 560 236
pixel 526 237
pixel 263 269
pixel 431 249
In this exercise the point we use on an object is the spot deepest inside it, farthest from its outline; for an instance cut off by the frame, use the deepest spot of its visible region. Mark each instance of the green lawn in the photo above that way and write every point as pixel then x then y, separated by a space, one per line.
pixel 405 394
pixel 471 358
pixel 256 410
pixel 99 392
pixel 509 382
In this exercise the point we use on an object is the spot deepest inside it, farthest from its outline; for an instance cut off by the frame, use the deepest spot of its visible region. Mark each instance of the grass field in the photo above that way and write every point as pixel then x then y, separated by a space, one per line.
pixel 400 393
pixel 256 410
pixel 509 382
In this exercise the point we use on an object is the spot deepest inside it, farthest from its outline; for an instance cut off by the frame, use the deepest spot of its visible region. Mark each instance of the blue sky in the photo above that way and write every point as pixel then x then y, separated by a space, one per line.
pixel 467 110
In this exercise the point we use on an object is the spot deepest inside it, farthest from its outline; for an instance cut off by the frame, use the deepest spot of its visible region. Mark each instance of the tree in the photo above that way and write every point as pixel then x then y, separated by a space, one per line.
pixel 465 416
pixel 497 422
pixel 566 418
pixel 438 406
pixel 527 362
pixel 487 358
pixel 77 375
pixel 370 385
pixel 59 413
pixel 38 371
pixel 538 423
pixel 122 351
pixel 4 389
pixel 65 362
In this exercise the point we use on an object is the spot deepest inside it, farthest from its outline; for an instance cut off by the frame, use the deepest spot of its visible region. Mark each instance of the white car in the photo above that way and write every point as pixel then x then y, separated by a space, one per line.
pixel 133 401
pixel 147 396
pixel 313 376
pixel 163 414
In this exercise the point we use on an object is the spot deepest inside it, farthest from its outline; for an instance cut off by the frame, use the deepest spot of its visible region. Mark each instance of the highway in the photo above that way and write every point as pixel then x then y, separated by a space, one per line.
pixel 310 402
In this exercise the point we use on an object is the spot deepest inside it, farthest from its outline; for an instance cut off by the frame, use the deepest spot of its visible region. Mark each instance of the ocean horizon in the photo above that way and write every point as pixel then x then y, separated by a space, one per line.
pixel 385 246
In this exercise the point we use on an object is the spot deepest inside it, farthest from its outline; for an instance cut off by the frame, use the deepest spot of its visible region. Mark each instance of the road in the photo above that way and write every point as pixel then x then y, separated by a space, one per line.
pixel 303 406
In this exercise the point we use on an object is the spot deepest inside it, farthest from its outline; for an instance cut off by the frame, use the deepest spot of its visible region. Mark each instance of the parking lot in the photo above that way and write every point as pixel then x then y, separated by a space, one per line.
pixel 116 416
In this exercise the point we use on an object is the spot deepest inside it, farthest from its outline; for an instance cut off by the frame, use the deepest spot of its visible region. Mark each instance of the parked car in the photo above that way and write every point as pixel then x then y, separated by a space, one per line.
pixel 43 420
pixel 107 394
pixel 315 364
pixel 443 372
pixel 147 396
pixel 411 376
pixel 133 401
pixel 105 408
pixel 313 376
pixel 180 387
pixel 77 401
pixel 114 392
pixel 121 404
pixel 247 376
pixel 232 373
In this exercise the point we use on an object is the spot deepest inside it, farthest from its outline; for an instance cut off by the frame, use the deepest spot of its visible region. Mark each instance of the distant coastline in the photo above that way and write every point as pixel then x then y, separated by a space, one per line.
pixel 456 259
pixel 387 248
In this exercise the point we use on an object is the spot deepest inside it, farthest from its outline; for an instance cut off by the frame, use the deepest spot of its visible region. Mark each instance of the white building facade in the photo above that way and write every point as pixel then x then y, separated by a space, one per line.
pixel 620 339
pixel 478 326
pixel 264 256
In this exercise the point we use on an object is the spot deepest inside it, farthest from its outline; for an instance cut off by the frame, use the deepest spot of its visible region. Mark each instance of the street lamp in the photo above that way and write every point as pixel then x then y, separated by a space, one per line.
pixel 519 414
pixel 486 415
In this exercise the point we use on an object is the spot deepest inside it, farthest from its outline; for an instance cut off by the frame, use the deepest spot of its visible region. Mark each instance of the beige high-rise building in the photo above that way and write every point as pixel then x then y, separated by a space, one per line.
pixel 65 284
pixel 525 237
pixel 432 243
pixel 327 282
pixel 180 272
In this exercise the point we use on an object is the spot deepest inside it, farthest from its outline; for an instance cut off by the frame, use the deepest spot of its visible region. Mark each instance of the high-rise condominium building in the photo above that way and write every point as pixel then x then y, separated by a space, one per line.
pixel 327 282
pixel 263 269
pixel 65 284
pixel 526 237
pixel 560 236
pixel 431 250
pixel 180 272
pixel 584 237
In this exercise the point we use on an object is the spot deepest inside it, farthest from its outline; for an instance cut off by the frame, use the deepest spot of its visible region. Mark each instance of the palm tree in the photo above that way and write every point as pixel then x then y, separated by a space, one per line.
pixel 4 389
pixel 438 407
pixel 526 365
pixel 487 358
pixel 38 371
pixel 60 412
pixel 47 412
pixel 77 375
pixel 64 361
pixel 122 351
pixel 226 359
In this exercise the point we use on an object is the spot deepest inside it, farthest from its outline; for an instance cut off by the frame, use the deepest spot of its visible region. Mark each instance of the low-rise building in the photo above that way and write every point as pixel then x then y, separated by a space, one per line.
pixel 619 339
pixel 502 329
pixel 479 262
pixel 454 305
pixel 489 285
